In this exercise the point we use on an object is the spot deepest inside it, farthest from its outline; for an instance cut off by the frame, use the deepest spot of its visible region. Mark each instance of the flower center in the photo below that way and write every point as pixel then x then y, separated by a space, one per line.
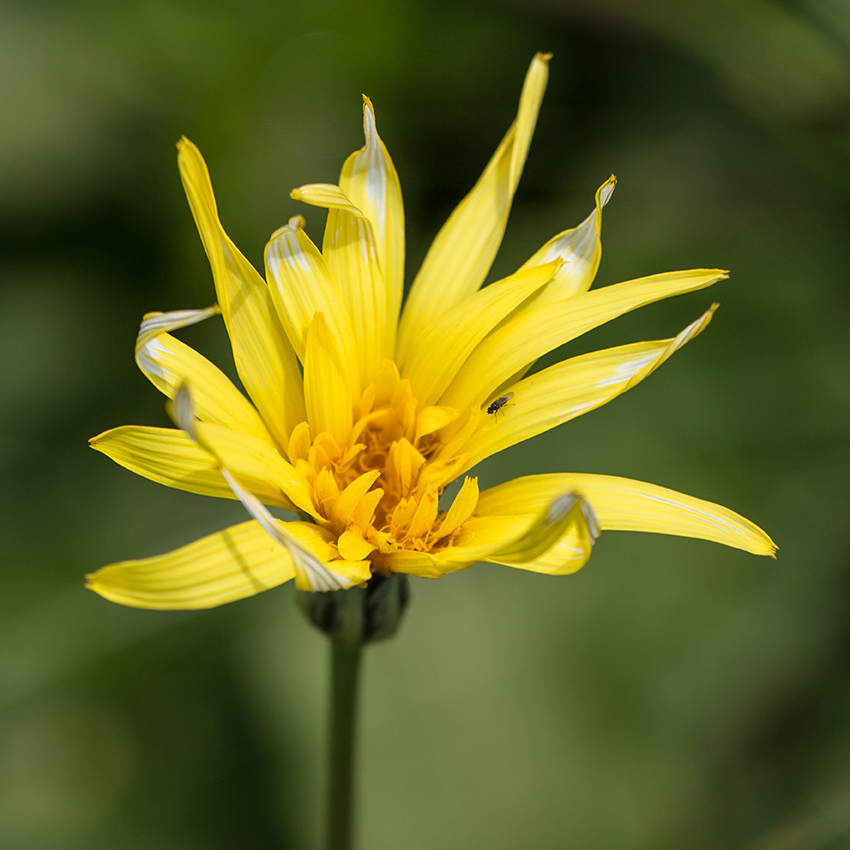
pixel 380 492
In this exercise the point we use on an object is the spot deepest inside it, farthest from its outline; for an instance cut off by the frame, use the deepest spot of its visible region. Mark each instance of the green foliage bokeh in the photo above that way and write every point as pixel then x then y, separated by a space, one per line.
pixel 673 693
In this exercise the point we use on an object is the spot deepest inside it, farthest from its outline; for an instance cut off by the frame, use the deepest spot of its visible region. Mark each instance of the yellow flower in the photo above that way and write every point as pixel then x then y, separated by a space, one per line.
pixel 361 412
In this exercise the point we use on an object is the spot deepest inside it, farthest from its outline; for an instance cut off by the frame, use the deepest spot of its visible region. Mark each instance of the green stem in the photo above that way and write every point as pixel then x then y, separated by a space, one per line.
pixel 350 618
pixel 345 666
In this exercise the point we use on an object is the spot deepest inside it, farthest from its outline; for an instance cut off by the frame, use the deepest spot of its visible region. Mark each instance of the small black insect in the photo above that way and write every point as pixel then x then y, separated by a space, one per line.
pixel 499 403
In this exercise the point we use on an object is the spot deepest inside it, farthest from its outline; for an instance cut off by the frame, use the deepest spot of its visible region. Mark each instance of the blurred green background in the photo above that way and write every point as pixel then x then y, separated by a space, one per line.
pixel 672 694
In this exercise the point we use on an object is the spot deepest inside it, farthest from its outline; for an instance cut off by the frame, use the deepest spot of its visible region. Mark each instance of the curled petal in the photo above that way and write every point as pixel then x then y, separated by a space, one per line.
pixel 567 513
pixel 301 285
pixel 579 248
pixel 156 323
pixel 369 178
pixel 514 540
pixel 626 505
pixel 523 539
pixel 169 363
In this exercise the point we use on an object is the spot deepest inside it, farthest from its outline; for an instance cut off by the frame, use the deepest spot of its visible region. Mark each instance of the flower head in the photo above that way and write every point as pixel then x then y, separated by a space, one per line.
pixel 362 411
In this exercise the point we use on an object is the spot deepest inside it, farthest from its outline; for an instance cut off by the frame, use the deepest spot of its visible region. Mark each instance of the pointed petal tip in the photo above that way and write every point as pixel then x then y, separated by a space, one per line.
pixel 604 192
pixel 318 193
pixel 186 148
pixel 715 275
pixel 297 194
pixel 297 222
pixel 370 129
pixel 763 546
pixel 542 57
pixel 92 583
pixel 767 547
pixel 95 442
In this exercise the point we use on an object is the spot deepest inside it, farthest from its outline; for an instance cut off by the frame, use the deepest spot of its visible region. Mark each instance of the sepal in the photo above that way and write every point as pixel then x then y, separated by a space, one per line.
pixel 360 614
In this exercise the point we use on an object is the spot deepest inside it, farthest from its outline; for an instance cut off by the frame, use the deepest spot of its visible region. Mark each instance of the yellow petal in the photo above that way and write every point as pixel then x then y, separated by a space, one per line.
pixel 299 443
pixel 169 363
pixel 250 459
pixel 569 516
pixel 325 195
pixel 352 572
pixel 426 513
pixel 351 254
pixel 572 388
pixel 168 456
pixel 567 555
pixel 424 564
pixel 369 178
pixel 352 546
pixel 622 504
pixel 442 348
pixel 232 564
pixel 403 513
pixel 311 572
pixel 264 359
pixel 457 434
pixel 363 514
pixel 350 497
pixel 461 508
pixel 529 335
pixel 326 391
pixel 387 383
pixel 301 286
pixel 491 538
pixel 431 419
pixel 463 251
pixel 404 464
pixel 440 473
pixel 579 248
pixel 325 486
pixel 483 534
